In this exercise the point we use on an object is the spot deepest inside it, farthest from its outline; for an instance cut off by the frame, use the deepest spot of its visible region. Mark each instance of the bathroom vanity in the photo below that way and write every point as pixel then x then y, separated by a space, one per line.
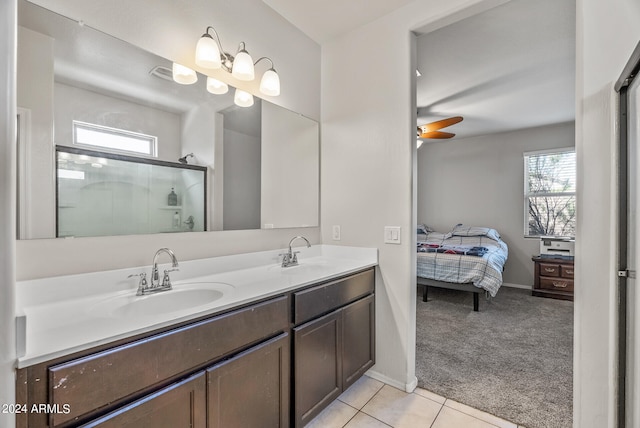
pixel 275 349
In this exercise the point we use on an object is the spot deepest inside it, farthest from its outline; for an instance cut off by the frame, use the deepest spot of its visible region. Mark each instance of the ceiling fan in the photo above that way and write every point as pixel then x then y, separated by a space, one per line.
pixel 431 130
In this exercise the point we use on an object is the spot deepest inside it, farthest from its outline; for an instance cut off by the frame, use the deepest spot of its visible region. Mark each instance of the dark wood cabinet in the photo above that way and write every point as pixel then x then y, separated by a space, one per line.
pixel 182 404
pixel 251 390
pixel 358 343
pixel 335 349
pixel 553 278
pixel 317 366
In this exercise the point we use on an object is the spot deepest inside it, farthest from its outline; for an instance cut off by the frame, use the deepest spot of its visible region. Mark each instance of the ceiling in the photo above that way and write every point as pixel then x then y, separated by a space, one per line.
pixel 323 20
pixel 510 67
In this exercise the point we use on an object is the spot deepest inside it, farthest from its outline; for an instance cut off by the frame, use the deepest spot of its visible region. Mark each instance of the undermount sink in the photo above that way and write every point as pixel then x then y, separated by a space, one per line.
pixel 183 296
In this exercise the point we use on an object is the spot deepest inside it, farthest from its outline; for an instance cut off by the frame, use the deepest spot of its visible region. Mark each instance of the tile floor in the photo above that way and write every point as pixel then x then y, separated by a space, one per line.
pixel 371 404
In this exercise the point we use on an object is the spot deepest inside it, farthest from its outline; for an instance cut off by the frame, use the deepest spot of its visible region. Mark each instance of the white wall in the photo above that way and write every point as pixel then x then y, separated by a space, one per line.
pixel 171 30
pixel 241 194
pixel 35 93
pixel 73 103
pixel 290 166
pixel 8 36
pixel 607 32
pixel 479 181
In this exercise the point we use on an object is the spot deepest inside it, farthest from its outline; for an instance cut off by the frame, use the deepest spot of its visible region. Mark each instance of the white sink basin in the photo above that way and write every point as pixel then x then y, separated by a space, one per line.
pixel 182 297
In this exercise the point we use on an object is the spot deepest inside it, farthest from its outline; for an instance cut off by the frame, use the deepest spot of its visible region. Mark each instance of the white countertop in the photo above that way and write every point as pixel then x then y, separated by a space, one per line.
pixel 67 314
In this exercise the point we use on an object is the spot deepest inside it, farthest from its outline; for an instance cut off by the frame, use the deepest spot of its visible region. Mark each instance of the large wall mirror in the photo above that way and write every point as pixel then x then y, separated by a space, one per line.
pixel 260 163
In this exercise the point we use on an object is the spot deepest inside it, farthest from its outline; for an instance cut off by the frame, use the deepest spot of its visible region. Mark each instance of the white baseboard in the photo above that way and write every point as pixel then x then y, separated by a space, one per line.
pixel 407 387
pixel 523 287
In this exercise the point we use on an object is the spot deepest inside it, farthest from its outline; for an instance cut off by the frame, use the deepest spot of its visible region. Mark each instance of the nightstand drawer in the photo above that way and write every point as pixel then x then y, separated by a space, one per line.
pixel 548 269
pixel 566 271
pixel 557 284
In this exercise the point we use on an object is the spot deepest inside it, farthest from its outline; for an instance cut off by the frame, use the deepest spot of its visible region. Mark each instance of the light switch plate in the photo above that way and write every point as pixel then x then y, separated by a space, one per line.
pixel 392 234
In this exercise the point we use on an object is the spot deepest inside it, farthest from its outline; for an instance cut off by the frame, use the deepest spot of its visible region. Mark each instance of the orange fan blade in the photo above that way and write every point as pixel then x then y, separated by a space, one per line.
pixel 439 135
pixel 439 124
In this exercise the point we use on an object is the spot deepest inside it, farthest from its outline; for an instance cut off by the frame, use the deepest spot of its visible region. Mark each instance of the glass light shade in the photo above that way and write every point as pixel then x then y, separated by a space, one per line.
pixel 419 143
pixel 270 83
pixel 216 87
pixel 207 53
pixel 184 75
pixel 243 66
pixel 242 98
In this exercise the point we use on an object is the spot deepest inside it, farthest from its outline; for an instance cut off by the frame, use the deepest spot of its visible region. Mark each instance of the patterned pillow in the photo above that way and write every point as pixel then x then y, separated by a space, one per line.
pixel 462 230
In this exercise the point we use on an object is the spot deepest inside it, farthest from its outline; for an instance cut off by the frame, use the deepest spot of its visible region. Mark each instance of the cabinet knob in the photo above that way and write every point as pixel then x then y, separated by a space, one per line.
pixel 560 284
pixel 569 272
pixel 549 269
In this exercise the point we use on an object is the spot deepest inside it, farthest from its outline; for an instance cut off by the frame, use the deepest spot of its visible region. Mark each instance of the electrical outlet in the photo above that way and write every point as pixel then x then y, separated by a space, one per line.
pixel 335 233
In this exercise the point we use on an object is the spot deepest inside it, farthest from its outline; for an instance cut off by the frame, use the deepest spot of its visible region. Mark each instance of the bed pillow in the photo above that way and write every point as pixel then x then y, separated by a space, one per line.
pixel 462 230
pixel 423 229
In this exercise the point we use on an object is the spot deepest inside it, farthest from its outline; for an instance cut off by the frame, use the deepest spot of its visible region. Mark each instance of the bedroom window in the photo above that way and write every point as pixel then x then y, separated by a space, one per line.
pixel 550 193
pixel 113 140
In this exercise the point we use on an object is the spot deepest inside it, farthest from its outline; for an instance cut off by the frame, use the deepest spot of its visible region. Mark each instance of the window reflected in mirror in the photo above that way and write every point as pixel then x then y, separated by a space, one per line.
pixel 102 194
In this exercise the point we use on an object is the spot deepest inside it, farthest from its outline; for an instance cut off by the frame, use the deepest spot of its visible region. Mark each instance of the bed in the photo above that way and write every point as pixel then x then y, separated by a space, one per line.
pixel 468 258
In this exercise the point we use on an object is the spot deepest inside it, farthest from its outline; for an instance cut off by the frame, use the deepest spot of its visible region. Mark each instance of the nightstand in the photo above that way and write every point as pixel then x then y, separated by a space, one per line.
pixel 553 278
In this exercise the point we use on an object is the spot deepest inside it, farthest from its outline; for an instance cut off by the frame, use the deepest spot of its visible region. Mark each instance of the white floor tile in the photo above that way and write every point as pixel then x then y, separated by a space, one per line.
pixel 361 392
pixel 336 415
pixel 451 418
pixel 494 420
pixel 430 395
pixel 400 409
pixel 362 420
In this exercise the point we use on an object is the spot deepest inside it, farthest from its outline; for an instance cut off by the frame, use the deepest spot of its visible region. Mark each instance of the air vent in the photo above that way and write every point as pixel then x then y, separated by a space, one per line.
pixel 162 72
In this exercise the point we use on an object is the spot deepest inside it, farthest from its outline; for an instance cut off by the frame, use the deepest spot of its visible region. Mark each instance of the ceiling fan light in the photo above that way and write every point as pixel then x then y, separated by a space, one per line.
pixel 216 87
pixel 243 98
pixel 184 75
pixel 243 66
pixel 270 83
pixel 207 53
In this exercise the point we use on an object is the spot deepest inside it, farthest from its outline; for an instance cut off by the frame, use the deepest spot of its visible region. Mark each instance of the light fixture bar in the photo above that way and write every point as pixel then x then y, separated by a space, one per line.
pixel 210 54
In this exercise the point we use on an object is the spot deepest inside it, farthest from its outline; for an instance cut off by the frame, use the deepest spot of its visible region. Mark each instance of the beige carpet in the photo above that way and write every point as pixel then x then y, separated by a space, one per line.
pixel 512 359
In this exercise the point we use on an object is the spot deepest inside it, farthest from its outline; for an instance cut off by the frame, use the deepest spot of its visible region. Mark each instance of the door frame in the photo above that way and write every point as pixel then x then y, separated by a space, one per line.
pixel 629 73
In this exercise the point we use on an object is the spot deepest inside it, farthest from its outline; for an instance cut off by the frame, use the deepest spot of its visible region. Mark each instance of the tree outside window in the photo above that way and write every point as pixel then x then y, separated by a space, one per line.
pixel 550 193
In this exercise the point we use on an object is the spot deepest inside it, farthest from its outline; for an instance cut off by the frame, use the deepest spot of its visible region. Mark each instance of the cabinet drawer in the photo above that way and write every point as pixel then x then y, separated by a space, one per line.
pixel 557 284
pixel 104 379
pixel 548 269
pixel 182 404
pixel 566 271
pixel 315 301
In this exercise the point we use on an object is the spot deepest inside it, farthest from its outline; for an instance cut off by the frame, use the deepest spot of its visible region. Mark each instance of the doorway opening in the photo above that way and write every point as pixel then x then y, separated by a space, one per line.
pixel 515 91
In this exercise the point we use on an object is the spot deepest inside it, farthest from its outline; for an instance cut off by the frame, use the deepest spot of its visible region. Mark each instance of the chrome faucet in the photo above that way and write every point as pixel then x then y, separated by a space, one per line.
pixel 166 282
pixel 291 257
pixel 155 286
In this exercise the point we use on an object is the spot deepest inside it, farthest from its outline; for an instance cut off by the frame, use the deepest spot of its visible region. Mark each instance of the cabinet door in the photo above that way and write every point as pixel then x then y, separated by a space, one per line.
pixel 182 404
pixel 358 349
pixel 318 366
pixel 251 389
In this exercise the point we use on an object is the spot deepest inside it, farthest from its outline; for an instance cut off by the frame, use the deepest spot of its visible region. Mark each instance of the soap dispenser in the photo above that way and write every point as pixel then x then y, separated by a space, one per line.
pixel 176 220
pixel 172 198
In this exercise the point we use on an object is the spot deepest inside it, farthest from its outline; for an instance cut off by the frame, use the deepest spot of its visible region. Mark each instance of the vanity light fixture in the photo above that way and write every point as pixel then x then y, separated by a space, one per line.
pixel 184 75
pixel 211 55
pixel 243 98
pixel 216 87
